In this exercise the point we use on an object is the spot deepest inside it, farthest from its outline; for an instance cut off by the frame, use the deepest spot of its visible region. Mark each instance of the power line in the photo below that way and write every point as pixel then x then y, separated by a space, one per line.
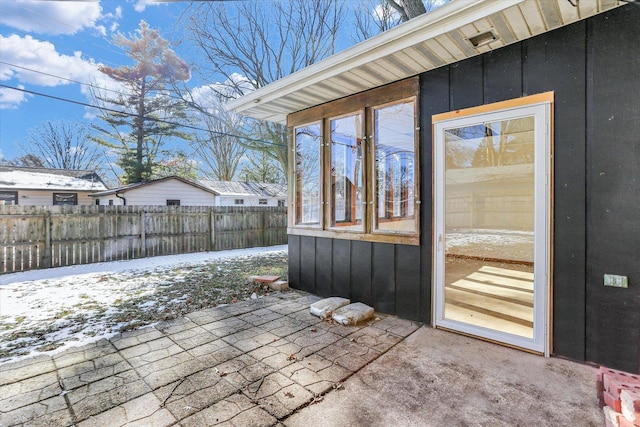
pixel 84 104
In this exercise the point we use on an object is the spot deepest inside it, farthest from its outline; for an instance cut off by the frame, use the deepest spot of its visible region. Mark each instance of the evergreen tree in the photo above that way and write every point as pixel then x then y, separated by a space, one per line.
pixel 146 113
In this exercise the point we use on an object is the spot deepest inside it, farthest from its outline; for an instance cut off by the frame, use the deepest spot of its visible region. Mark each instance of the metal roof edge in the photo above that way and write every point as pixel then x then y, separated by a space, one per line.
pixel 447 17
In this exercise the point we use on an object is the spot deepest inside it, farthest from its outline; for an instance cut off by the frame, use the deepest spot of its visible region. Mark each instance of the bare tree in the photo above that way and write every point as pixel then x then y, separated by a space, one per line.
pixel 262 42
pixel 219 151
pixel 376 16
pixel 62 145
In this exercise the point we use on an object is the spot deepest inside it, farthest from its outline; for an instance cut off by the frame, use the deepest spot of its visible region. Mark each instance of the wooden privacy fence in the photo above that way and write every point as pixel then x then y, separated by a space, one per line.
pixel 33 237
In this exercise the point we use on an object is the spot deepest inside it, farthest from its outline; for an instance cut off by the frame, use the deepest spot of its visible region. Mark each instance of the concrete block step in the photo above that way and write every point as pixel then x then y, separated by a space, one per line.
pixel 352 314
pixel 325 307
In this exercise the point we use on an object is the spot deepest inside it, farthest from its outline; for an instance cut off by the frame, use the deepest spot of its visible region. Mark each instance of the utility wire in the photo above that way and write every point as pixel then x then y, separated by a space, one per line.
pixel 145 118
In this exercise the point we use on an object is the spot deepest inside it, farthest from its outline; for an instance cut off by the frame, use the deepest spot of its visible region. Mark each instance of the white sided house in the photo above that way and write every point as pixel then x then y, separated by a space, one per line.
pixel 169 191
pixel 178 191
pixel 239 193
pixel 41 186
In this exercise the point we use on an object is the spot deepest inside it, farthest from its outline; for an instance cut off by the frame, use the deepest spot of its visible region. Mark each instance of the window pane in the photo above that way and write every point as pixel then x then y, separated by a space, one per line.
pixel 308 185
pixel 65 199
pixel 346 173
pixel 394 143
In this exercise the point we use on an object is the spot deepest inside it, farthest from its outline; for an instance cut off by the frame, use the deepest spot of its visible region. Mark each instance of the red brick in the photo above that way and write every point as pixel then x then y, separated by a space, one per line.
pixel 610 375
pixel 616 386
pixel 623 422
pixel 612 401
pixel 630 405
pixel 266 279
pixel 611 417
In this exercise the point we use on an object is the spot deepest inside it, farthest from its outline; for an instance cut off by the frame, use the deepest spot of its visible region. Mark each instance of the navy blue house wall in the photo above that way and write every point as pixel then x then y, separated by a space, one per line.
pixel 593 67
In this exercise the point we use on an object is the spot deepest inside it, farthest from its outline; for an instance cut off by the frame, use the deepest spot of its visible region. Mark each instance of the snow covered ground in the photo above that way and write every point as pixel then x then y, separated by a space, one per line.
pixel 52 309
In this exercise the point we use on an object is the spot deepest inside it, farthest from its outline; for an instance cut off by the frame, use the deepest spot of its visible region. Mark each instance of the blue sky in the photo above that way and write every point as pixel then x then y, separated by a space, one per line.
pixel 65 40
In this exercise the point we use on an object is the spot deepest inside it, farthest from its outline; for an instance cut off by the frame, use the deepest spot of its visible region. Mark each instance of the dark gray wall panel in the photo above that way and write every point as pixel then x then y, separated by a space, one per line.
pixel 466 87
pixel 408 282
pixel 434 99
pixel 323 266
pixel 503 74
pixel 613 185
pixel 384 277
pixel 556 62
pixel 341 268
pixel 294 261
pixel 308 264
pixel 361 272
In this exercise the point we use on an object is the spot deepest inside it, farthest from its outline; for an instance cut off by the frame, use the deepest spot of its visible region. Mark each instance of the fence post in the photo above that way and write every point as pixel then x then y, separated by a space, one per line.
pixel 143 235
pixel 46 259
pixel 263 227
pixel 213 229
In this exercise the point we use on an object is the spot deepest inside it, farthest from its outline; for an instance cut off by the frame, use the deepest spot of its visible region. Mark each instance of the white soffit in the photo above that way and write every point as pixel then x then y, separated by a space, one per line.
pixel 430 41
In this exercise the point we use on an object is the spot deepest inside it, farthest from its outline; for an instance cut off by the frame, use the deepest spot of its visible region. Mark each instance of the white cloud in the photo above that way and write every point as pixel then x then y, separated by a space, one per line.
pixel 141 5
pixel 50 17
pixel 50 68
pixel 11 98
pixel 26 53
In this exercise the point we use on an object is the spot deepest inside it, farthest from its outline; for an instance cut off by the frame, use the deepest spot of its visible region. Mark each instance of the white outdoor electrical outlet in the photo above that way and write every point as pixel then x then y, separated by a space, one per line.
pixel 616 281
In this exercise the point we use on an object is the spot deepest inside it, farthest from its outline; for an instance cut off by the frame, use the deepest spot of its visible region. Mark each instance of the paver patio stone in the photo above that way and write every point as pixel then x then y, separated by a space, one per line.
pixel 141 411
pixel 92 370
pixel 134 338
pixel 228 326
pixel 279 360
pixel 236 410
pixel 76 355
pixel 31 390
pixel 150 351
pixel 249 374
pixel 286 400
pixel 266 386
pixel 312 341
pixel 192 337
pixel 169 369
pixel 284 326
pixel 49 412
pixel 173 326
pixel 195 392
pixel 105 394
pixel 396 326
pixel 215 352
pixel 208 315
pixel 288 307
pixel 376 339
pixel 259 317
pixel 26 368
pixel 245 342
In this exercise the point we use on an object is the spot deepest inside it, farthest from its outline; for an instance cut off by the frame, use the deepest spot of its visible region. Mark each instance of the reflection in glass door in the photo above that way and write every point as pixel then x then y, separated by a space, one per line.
pixel 491 210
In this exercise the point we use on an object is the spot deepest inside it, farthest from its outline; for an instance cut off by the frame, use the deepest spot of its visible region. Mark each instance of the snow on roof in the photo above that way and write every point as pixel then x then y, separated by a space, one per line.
pixel 49 179
pixel 240 188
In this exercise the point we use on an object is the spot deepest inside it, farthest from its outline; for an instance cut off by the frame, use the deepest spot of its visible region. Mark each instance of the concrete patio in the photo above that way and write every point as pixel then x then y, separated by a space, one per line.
pixel 268 362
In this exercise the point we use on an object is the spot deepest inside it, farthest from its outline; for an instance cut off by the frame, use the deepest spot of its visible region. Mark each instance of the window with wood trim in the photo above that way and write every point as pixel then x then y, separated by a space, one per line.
pixel 354 172
pixel 307 178
pixel 173 202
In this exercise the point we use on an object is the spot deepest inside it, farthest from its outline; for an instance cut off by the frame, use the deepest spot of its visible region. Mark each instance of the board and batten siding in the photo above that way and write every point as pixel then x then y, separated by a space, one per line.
pixel 158 193
pixel 591 66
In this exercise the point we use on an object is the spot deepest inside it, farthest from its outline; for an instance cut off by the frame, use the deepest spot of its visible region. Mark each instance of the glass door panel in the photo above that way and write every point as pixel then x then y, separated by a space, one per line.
pixel 491 213
pixel 489 209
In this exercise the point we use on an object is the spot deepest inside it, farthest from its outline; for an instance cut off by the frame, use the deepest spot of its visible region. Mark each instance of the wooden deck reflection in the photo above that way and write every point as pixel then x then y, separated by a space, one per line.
pixel 491 295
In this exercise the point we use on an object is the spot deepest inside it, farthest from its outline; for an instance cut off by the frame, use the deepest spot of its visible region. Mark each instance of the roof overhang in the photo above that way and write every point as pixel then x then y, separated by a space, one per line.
pixel 433 40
